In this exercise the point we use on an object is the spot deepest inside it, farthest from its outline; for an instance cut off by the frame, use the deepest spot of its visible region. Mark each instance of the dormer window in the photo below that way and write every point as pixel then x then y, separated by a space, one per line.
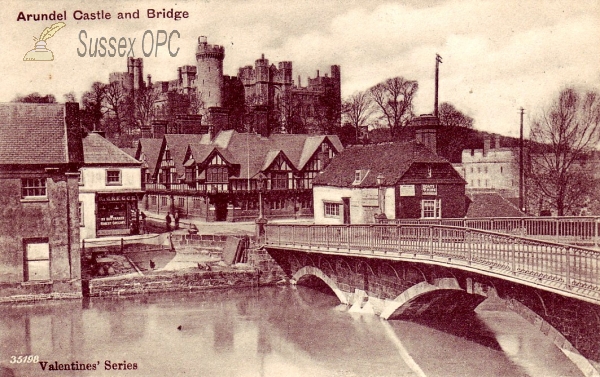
pixel 359 176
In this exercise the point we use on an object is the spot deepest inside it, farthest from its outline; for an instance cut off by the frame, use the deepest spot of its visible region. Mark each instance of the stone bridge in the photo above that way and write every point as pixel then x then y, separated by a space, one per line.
pixel 410 271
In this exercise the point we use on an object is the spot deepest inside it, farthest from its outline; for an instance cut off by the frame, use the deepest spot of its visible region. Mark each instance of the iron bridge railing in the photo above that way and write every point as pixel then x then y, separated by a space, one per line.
pixel 578 230
pixel 571 269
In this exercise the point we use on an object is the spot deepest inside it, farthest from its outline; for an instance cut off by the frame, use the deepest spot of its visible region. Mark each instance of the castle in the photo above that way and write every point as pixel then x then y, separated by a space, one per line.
pixel 262 98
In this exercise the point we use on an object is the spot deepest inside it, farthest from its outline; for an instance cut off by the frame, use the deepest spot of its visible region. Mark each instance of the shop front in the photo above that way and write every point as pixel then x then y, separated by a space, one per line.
pixel 117 214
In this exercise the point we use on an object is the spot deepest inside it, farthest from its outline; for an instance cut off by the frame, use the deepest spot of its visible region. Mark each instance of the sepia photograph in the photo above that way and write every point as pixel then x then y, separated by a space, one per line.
pixel 335 188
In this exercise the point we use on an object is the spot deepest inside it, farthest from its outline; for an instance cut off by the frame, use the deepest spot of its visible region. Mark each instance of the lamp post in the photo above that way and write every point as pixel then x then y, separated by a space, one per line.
pixel 261 221
pixel 380 217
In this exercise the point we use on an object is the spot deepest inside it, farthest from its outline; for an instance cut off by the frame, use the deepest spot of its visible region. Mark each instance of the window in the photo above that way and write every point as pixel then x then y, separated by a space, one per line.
pixel 37 260
pixel 153 200
pixel 277 203
pixel 81 223
pixel 485 169
pixel 181 202
pixel 163 201
pixel 332 209
pixel 217 175
pixel 197 203
pixel 279 181
pixel 80 178
pixel 429 172
pixel 501 170
pixel 113 177
pixel 33 187
pixel 431 209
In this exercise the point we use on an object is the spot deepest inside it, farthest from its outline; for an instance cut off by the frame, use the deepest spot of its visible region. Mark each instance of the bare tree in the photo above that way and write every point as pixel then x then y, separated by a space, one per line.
pixel 450 116
pixel 117 107
pixel 358 109
pixel 145 106
pixel 393 98
pixel 70 97
pixel 92 105
pixel 563 138
pixel 35 98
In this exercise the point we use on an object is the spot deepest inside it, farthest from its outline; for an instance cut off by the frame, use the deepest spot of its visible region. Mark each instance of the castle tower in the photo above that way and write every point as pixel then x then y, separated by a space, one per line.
pixel 210 72
pixel 262 81
pixel 138 73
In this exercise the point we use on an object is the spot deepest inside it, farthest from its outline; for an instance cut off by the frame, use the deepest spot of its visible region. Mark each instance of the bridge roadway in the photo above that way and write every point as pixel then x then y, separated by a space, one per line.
pixel 569 274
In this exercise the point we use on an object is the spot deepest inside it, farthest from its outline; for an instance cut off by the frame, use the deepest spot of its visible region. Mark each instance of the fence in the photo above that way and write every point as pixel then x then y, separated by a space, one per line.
pixel 574 230
pixel 554 265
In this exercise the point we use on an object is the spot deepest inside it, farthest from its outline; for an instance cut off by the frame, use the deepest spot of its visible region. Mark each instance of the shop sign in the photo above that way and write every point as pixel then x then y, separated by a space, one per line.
pixel 407 190
pixel 429 189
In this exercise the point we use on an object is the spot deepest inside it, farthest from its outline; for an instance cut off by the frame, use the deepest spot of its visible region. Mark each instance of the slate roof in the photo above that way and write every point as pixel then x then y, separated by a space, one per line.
pixel 178 144
pixel 130 151
pixel 33 133
pixel 99 151
pixel 150 148
pixel 491 204
pixel 391 160
pixel 252 152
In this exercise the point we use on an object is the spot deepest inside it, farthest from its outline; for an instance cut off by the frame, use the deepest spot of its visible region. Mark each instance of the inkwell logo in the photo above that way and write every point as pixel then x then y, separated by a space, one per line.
pixel 40 52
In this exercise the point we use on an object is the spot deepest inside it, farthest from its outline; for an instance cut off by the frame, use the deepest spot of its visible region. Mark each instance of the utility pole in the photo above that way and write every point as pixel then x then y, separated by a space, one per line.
pixel 438 60
pixel 521 165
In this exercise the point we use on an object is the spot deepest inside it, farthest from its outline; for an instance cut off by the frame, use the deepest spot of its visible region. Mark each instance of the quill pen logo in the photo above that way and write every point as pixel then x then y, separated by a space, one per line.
pixel 40 52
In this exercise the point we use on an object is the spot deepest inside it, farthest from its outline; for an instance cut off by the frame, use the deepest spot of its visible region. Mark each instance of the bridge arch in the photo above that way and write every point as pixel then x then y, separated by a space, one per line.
pixel 421 296
pixel 315 271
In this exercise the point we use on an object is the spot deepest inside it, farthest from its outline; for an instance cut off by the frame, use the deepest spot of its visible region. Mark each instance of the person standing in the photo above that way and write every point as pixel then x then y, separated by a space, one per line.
pixel 168 220
pixel 176 220
pixel 143 222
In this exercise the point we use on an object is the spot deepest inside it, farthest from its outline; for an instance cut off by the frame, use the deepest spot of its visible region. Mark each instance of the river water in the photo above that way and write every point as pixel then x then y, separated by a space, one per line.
pixel 273 331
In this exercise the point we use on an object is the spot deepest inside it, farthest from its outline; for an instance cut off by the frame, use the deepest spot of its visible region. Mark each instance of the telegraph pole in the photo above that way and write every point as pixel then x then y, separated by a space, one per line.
pixel 521 164
pixel 438 60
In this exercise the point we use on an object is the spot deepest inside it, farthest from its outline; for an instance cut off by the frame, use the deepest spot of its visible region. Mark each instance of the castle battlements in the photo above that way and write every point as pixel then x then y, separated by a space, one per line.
pixel 205 50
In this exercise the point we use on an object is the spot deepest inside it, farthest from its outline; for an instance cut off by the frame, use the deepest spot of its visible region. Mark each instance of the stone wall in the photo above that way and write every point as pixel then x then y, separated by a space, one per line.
pixel 270 272
pixel 172 282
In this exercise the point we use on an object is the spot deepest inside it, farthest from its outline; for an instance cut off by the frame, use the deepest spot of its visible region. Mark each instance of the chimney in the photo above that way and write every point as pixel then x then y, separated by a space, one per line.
pixel 426 130
pixel 496 141
pixel 486 145
pixel 299 82
pixel 74 134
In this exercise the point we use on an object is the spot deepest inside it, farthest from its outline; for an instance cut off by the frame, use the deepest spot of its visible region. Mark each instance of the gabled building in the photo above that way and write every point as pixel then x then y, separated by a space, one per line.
pixel 40 156
pixel 219 178
pixel 400 180
pixel 110 185
pixel 146 152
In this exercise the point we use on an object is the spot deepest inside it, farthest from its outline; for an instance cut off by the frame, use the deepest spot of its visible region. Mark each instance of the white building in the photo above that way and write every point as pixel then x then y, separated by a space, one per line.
pixel 491 169
pixel 110 184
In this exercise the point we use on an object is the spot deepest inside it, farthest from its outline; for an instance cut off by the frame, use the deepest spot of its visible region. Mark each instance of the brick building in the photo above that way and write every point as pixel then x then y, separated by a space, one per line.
pixel 400 180
pixel 40 155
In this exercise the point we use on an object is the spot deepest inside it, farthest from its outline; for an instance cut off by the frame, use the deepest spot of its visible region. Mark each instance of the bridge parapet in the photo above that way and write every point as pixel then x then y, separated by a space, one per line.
pixel 572 271
pixel 577 230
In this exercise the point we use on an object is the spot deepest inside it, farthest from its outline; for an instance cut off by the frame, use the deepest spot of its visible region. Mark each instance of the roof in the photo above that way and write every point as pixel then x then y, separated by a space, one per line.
pixel 150 148
pixel 178 144
pixel 130 151
pixel 491 204
pixel 98 150
pixel 32 133
pixel 391 160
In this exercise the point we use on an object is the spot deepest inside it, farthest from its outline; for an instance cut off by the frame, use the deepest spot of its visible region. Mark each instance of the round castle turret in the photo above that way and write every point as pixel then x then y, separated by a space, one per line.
pixel 209 77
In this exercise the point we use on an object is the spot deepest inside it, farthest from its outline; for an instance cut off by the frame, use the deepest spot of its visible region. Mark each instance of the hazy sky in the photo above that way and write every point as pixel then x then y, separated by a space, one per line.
pixel 497 55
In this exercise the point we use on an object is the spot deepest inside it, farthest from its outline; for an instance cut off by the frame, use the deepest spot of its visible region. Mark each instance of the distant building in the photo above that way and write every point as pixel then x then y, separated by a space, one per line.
pixel 110 186
pixel 491 169
pixel 40 155
pixel 400 180
pixel 262 97
pixel 219 178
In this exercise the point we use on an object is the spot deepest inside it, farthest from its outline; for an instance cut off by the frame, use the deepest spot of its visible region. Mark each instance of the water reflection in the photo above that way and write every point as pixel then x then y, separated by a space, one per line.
pixel 267 332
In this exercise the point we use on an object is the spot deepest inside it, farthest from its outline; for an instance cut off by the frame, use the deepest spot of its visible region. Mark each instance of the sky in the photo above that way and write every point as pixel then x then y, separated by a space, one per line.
pixel 497 56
